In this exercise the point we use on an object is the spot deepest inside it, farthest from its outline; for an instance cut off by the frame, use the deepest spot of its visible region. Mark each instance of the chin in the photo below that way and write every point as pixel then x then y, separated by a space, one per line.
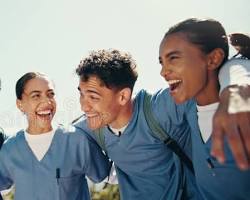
pixel 179 100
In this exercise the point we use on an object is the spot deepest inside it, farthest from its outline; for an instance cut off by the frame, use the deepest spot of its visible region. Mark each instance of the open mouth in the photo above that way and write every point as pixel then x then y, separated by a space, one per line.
pixel 90 115
pixel 45 114
pixel 174 84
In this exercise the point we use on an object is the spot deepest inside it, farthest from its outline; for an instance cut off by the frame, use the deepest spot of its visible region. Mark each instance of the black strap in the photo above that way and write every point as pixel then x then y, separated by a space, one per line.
pixel 100 139
pixel 158 132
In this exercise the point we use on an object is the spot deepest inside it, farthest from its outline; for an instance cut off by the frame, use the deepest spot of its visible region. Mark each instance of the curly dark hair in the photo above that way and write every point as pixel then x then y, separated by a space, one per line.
pixel 115 69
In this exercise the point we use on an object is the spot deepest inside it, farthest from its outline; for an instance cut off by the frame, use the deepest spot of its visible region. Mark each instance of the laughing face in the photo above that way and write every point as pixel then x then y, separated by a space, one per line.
pixel 99 103
pixel 38 104
pixel 184 67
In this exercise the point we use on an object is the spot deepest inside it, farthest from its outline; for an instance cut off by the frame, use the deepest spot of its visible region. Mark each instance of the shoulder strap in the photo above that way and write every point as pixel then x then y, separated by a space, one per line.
pixel 100 138
pixel 158 132
pixel 98 133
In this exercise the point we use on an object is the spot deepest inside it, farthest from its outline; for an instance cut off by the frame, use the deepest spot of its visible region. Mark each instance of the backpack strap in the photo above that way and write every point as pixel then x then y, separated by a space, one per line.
pixel 158 132
pixel 100 139
pixel 98 133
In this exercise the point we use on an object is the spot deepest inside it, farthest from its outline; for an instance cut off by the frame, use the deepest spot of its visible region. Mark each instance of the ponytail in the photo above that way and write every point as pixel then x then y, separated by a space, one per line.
pixel 241 42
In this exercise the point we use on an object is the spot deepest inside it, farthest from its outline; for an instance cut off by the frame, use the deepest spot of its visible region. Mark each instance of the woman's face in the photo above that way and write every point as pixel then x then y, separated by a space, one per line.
pixel 184 67
pixel 38 104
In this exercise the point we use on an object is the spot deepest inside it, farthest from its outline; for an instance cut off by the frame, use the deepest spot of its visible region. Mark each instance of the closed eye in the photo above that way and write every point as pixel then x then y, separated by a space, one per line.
pixel 171 58
pixel 35 96
pixel 51 94
pixel 95 98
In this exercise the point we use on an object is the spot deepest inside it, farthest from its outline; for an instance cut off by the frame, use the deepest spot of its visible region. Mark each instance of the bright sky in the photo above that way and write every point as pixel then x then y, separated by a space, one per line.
pixel 52 36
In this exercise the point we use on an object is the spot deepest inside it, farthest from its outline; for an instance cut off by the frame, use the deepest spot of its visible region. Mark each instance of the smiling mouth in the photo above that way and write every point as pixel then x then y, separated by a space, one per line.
pixel 174 84
pixel 44 113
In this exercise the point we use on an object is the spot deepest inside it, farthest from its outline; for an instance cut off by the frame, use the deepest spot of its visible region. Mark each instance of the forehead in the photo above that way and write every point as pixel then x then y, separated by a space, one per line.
pixel 95 85
pixel 39 83
pixel 174 41
pixel 93 82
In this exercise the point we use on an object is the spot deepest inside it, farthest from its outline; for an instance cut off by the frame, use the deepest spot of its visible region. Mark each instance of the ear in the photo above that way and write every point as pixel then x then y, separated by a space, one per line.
pixel 19 105
pixel 215 58
pixel 124 96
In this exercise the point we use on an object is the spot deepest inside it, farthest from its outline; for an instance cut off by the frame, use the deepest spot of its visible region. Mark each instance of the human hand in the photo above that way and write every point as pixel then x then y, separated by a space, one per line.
pixel 232 120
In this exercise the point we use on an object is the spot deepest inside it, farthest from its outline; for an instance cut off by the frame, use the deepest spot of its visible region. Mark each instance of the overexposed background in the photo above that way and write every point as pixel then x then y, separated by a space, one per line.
pixel 52 36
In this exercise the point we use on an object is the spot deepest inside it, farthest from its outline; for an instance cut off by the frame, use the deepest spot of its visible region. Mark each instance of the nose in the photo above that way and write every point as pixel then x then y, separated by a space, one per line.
pixel 47 99
pixel 165 71
pixel 85 105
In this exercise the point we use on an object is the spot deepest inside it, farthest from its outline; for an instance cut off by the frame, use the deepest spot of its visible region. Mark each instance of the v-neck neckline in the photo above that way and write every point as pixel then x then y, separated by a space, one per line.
pixel 28 149
pixel 112 137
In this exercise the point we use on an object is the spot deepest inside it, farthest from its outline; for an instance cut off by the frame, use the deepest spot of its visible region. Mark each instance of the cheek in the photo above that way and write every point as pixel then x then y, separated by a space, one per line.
pixel 196 81
pixel 54 105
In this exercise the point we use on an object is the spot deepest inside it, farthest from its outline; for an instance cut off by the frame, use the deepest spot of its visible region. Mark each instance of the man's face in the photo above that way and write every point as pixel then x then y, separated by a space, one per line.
pixel 99 103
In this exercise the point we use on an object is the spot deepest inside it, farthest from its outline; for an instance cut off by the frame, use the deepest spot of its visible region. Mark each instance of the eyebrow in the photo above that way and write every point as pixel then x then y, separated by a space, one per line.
pixel 34 91
pixel 89 91
pixel 169 55
pixel 37 91
pixel 172 53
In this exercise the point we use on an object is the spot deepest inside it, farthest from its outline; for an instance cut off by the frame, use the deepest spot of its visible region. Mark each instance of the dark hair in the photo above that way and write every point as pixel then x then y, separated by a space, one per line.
pixel 208 34
pixel 114 68
pixel 21 83
pixel 241 42
pixel 2 137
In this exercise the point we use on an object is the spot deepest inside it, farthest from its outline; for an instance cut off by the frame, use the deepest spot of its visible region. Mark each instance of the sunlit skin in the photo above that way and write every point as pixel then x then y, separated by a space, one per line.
pixel 188 70
pixel 38 104
pixel 103 106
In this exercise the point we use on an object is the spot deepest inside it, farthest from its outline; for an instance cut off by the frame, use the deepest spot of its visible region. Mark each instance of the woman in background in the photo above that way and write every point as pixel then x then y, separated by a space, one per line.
pixel 45 162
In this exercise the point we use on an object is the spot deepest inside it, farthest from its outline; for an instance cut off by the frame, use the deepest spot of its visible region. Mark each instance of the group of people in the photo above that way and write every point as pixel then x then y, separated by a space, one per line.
pixel 46 162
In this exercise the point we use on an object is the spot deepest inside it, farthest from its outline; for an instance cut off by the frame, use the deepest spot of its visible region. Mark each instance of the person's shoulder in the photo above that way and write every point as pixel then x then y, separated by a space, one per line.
pixel 237 62
pixel 153 94
pixel 72 132
pixel 80 123
pixel 12 141
pixel 235 66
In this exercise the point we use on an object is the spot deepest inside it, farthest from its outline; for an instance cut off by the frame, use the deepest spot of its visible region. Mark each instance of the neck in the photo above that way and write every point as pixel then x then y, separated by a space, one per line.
pixel 38 130
pixel 209 94
pixel 124 116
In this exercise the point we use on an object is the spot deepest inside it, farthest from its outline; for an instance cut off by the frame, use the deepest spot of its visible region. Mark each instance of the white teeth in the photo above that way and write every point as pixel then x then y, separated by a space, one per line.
pixel 90 115
pixel 44 112
pixel 170 82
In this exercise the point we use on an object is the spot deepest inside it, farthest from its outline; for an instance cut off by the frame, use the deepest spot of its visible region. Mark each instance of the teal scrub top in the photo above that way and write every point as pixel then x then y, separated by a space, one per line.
pixel 61 173
pixel 146 168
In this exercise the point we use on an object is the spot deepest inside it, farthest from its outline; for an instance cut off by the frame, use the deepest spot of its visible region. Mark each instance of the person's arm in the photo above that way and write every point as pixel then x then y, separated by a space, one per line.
pixel 97 165
pixel 232 118
pixel 5 176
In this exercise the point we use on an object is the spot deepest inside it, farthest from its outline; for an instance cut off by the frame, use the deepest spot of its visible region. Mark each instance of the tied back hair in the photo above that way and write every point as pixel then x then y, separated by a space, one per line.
pixel 241 42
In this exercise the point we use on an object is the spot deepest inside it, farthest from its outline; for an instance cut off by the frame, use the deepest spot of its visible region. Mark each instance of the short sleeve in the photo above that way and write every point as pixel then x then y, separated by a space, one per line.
pixel 5 176
pixel 97 165
pixel 235 72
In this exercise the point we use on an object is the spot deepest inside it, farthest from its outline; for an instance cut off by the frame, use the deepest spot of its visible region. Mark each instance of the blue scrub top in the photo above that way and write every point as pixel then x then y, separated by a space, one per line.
pixel 61 172
pixel 214 180
pixel 146 168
